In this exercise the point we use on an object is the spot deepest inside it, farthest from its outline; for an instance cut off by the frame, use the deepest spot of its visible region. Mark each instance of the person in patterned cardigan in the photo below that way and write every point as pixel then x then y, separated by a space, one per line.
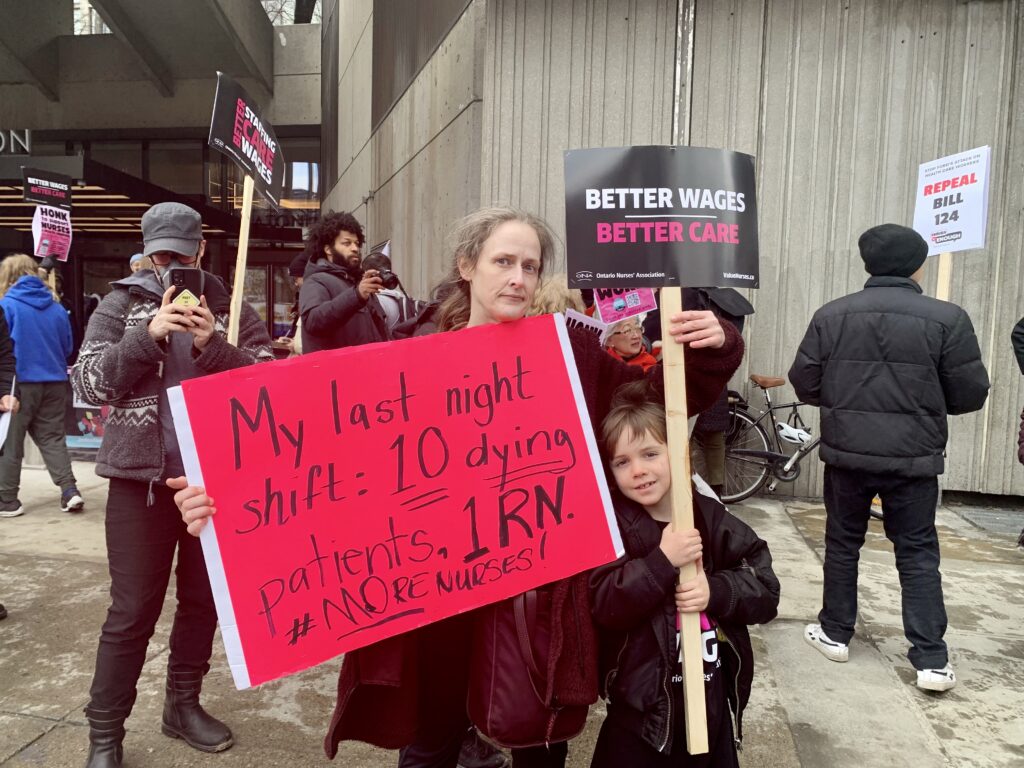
pixel 140 343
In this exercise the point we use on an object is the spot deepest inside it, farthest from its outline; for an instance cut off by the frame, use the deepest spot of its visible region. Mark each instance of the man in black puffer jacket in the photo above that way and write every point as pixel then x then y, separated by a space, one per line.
pixel 338 303
pixel 886 365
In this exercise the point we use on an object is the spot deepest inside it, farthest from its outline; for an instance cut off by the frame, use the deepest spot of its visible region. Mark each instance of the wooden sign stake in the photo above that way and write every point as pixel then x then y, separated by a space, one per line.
pixel 673 365
pixel 945 276
pixel 942 287
pixel 238 288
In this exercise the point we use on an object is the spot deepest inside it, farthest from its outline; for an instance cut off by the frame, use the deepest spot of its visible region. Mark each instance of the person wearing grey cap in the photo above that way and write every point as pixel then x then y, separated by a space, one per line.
pixel 886 365
pixel 139 343
pixel 138 261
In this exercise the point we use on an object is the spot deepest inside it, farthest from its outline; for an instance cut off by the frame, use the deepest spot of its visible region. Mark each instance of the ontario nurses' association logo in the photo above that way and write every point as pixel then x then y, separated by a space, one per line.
pixel 584 274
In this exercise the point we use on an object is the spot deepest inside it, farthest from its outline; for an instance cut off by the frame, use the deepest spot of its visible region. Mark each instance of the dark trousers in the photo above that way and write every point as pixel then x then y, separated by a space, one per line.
pixel 617 746
pixel 908 504
pixel 444 650
pixel 141 542
pixel 42 416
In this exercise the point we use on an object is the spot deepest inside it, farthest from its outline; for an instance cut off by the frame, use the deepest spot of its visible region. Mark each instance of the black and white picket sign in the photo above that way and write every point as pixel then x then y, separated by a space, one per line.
pixel 660 217
pixel 240 130
pixel 46 188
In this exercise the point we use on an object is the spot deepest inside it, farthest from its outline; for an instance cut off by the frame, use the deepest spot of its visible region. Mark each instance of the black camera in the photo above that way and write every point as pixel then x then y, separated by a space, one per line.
pixel 388 278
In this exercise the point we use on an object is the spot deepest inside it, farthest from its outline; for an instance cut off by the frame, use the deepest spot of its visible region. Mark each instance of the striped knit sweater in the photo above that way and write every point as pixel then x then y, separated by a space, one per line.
pixel 120 365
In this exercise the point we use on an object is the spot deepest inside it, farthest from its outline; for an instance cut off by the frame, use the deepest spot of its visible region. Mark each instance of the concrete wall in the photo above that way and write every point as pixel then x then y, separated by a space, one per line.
pixel 101 86
pixel 355 64
pixel 840 102
pixel 420 170
pixel 296 75
pixel 567 75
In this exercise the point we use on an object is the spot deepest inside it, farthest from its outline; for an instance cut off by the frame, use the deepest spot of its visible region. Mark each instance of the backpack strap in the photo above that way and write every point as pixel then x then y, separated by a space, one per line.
pixel 521 604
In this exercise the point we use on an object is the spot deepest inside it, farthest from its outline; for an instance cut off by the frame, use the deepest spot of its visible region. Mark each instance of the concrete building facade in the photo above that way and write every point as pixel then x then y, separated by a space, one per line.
pixel 838 101
pixel 127 111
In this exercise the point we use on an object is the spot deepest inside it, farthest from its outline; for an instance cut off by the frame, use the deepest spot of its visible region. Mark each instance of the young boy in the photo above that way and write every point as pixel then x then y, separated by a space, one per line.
pixel 635 602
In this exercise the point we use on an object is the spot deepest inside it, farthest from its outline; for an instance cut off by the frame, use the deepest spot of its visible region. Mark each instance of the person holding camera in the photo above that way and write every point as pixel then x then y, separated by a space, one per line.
pixel 338 302
pixel 398 306
pixel 155 329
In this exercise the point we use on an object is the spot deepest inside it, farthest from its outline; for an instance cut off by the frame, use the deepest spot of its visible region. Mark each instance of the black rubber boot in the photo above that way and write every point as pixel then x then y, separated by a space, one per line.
pixel 106 732
pixel 185 719
pixel 477 752
pixel 718 490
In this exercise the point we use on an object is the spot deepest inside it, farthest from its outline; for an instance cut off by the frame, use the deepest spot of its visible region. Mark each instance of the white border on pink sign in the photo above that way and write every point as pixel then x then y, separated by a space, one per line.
pixel 211 550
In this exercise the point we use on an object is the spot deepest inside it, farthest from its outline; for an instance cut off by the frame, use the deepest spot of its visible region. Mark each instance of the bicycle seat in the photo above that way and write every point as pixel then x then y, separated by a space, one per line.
pixel 767 382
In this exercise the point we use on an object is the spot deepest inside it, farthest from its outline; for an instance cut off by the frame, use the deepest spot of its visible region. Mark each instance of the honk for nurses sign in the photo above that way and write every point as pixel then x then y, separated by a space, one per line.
pixel 365 492
pixel 239 130
pixel 660 217
pixel 51 232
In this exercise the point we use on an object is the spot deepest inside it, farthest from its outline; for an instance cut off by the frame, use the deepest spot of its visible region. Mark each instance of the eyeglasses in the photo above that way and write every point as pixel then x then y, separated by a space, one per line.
pixel 163 258
pixel 632 330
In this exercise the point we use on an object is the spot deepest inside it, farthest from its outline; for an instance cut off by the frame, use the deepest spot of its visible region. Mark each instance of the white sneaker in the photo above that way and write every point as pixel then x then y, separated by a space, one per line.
pixel 11 508
pixel 830 649
pixel 936 679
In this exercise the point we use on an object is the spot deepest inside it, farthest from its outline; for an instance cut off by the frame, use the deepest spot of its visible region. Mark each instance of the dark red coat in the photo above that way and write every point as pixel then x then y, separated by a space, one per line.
pixel 377 686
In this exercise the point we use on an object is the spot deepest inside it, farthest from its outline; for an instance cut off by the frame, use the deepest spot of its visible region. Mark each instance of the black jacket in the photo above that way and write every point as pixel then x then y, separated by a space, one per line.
pixel 7 361
pixel 886 365
pixel 628 599
pixel 423 323
pixel 728 305
pixel 333 313
pixel 1017 339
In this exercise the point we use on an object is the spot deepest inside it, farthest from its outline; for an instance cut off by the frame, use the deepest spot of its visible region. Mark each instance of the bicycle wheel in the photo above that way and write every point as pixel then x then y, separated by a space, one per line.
pixel 744 475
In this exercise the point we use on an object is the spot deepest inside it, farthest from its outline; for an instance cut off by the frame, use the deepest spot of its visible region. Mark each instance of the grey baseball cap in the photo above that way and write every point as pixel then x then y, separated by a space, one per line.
pixel 171 227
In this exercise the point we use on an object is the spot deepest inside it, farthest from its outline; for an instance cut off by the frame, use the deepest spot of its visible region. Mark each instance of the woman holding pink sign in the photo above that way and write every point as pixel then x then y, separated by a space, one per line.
pixel 409 692
pixel 626 343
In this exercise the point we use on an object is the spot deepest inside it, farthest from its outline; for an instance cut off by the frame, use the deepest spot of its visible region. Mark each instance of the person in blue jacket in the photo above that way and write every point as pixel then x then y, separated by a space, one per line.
pixel 41 332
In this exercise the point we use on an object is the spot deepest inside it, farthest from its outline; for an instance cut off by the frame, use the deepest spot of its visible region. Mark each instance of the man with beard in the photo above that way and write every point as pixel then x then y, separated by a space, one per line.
pixel 338 303
pixel 338 307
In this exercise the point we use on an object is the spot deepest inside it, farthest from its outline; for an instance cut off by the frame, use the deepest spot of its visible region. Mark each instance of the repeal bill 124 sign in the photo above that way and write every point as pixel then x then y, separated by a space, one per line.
pixel 351 508
pixel 239 130
pixel 660 217
pixel 951 212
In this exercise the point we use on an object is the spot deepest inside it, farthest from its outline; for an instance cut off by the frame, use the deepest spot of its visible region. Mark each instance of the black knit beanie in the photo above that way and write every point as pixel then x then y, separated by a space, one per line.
pixel 297 267
pixel 890 249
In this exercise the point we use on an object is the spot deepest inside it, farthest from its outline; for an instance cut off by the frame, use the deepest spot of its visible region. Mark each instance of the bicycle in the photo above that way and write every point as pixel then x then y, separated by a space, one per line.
pixel 749 456
pixel 752 455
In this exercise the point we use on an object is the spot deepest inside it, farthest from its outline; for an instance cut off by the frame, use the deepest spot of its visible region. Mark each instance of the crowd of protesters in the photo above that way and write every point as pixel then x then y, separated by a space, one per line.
pixel 885 365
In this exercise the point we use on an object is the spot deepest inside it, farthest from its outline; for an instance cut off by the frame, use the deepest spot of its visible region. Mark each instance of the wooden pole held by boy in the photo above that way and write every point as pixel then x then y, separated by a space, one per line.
pixel 676 418
pixel 238 287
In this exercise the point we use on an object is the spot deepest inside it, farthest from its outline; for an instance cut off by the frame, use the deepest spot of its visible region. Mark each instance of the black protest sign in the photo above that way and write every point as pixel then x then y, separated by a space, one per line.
pixel 659 217
pixel 239 130
pixel 46 188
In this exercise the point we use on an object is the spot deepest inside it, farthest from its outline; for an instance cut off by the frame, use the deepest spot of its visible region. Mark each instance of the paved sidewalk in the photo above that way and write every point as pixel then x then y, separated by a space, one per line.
pixel 804 711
